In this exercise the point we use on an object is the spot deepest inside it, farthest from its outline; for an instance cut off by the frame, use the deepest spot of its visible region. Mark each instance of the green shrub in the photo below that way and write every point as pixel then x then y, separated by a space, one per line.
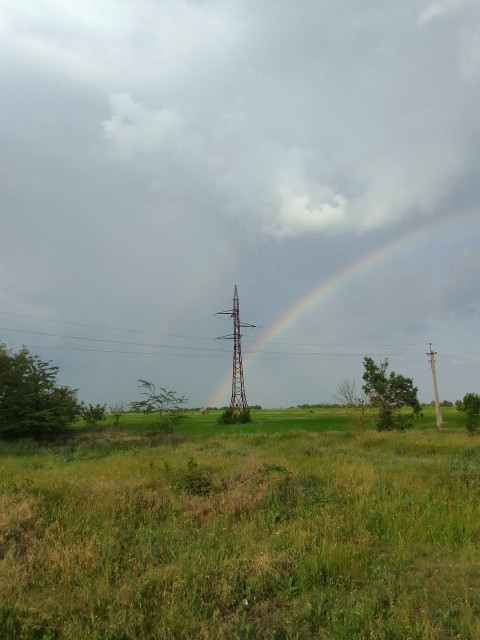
pixel 471 406
pixel 229 417
pixel 93 414
pixel 193 479
pixel 244 416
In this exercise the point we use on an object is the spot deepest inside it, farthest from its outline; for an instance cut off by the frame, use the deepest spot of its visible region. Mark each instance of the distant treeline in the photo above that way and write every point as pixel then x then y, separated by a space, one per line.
pixel 320 405
pixel 330 405
pixel 444 403
pixel 203 409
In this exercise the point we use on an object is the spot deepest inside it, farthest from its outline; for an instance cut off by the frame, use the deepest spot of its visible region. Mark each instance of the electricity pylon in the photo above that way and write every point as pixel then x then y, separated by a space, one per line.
pixel 238 401
pixel 435 392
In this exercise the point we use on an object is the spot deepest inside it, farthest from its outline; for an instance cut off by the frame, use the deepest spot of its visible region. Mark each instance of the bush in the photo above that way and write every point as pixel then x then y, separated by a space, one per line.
pixel 118 410
pixel 194 479
pixel 471 406
pixel 244 416
pixel 229 417
pixel 92 414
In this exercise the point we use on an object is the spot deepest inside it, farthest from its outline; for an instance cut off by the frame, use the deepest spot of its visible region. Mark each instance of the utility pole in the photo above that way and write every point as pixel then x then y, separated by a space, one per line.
pixel 435 392
pixel 238 400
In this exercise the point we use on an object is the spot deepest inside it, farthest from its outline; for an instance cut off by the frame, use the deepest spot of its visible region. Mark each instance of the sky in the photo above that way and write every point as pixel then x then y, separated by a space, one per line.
pixel 323 156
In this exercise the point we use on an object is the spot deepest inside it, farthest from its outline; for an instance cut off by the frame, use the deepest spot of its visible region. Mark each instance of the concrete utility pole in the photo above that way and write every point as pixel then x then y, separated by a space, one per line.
pixel 435 392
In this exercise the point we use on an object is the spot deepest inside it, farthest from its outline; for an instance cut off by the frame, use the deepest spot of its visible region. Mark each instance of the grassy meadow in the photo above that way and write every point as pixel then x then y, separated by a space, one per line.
pixel 296 526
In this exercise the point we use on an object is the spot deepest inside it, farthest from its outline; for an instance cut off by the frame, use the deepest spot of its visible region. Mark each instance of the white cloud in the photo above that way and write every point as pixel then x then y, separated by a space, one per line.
pixel 299 214
pixel 133 130
pixel 432 11
pixel 113 43
pixel 267 185
pixel 469 54
pixel 464 19
pixel 282 191
pixel 436 9
pixel 408 181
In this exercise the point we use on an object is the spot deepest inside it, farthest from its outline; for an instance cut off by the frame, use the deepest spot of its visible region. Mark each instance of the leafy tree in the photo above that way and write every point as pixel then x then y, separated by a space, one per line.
pixel 471 406
pixel 167 403
pixel 118 410
pixel 31 402
pixel 93 413
pixel 389 393
pixel 356 404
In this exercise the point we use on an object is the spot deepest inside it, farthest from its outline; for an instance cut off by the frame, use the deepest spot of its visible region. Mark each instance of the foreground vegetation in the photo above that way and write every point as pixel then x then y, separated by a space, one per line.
pixel 295 526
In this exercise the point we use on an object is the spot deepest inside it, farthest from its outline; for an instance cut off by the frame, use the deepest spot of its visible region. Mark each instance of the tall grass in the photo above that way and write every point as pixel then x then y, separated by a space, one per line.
pixel 288 534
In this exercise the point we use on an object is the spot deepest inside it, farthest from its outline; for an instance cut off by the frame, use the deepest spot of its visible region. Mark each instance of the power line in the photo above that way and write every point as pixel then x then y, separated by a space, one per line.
pixel 343 344
pixel 265 354
pixel 222 354
pixel 190 348
pixel 211 349
pixel 203 351
pixel 137 344
pixel 139 353
pixel 454 359
pixel 99 326
pixel 459 349
pixel 187 337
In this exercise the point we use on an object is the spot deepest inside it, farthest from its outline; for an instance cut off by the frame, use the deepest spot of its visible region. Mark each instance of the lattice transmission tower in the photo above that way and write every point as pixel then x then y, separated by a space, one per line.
pixel 238 401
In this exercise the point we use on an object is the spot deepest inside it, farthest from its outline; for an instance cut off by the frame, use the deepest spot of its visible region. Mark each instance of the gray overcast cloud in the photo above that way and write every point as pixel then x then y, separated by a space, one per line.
pixel 156 154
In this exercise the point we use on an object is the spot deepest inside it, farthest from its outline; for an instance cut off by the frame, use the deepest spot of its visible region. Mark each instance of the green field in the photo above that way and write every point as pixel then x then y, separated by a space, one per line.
pixel 279 420
pixel 295 526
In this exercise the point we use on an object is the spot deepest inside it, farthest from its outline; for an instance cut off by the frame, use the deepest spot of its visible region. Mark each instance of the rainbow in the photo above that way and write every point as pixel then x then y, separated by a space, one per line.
pixel 326 287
